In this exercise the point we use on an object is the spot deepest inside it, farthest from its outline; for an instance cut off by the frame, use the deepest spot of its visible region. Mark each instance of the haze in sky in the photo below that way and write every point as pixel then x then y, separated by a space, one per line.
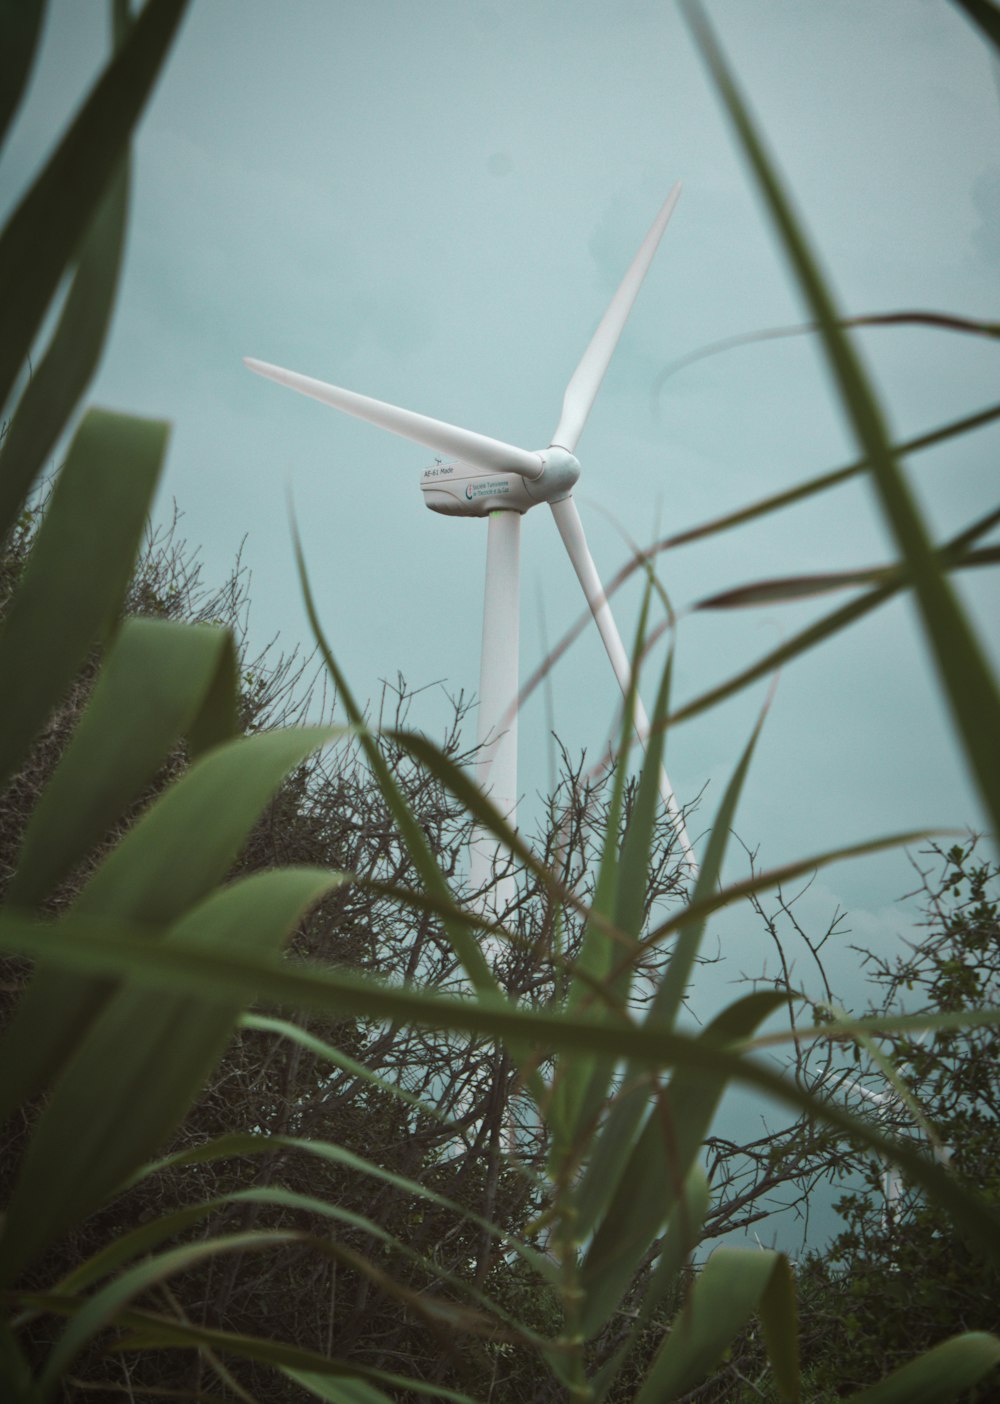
pixel 432 204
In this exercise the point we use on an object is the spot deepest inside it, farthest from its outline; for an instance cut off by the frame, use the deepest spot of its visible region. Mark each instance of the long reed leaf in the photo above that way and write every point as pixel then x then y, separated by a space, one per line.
pixel 732 1285
pixel 986 15
pixel 338 1391
pixel 965 677
pixel 108 482
pixel 938 1376
pixel 177 853
pixel 427 866
pixel 100 947
pixel 244 1144
pixel 42 234
pixel 793 588
pixel 82 1146
pixel 160 682
pixel 105 1306
pixel 59 379
pixel 157 1333
pixel 681 1238
pixel 630 1197
pixel 21 26
pixel 568 1100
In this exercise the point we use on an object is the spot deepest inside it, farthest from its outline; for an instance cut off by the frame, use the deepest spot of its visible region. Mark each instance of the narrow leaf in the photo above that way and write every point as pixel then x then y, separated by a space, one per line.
pixel 986 15
pixel 967 682
pixel 100 947
pixel 682 1236
pixel 800 587
pixel 106 1305
pixel 142 1063
pixel 237 1144
pixel 160 682
pixel 651 1181
pixel 59 379
pixel 615 1142
pixel 939 1375
pixel 20 24
pixel 153 1332
pixel 338 1390
pixel 465 946
pixel 177 852
pixel 40 238
pixel 91 533
pixel 726 1293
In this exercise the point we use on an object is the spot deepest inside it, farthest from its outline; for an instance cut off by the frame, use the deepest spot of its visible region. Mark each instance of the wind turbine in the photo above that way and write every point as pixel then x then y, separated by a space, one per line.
pixel 488 478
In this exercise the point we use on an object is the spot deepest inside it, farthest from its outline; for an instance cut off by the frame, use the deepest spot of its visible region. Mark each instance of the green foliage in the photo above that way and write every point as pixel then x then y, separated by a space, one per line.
pixel 559 1268
pixel 898 1271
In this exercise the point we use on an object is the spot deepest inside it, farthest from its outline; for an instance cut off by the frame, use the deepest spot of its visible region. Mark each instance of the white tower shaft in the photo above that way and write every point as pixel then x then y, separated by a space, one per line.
pixel 498 686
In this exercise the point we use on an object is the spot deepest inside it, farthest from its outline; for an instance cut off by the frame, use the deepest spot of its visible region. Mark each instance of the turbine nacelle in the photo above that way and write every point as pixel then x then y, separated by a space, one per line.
pixel 459 489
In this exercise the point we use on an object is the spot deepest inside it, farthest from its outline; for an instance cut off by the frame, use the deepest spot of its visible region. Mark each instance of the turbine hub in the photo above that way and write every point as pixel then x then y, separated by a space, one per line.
pixel 560 471
pixel 460 490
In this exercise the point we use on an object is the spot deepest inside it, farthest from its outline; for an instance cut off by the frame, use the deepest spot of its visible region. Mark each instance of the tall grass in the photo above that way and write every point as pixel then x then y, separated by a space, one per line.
pixel 137 989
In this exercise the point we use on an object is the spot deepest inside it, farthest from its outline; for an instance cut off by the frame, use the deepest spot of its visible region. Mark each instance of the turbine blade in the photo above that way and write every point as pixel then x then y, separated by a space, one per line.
pixel 586 379
pixel 475 449
pixel 571 530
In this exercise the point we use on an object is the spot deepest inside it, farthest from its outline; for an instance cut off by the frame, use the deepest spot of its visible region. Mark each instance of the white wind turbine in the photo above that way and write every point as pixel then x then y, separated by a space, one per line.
pixel 496 480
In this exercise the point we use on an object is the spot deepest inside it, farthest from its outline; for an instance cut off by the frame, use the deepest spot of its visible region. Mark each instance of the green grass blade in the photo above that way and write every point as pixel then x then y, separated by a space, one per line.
pixel 102 947
pixel 793 588
pixel 465 946
pixel 151 1235
pixel 939 1375
pixel 641 1191
pixel 965 677
pixel 986 15
pixel 106 1305
pixel 338 1391
pixel 143 1061
pixel 21 27
pixel 810 487
pixel 667 1001
pixel 827 626
pixel 64 372
pixel 41 236
pixel 153 1332
pixel 178 851
pixel 146 1331
pixel 607 1172
pixel 771 878
pixel 326 1051
pixel 60 377
pixel 568 1103
pixel 91 533
pixel 134 1243
pixel 592 1077
pixel 185 844
pixel 241 1144
pixel 15 1372
pixel 160 682
pixel 726 1293
pixel 778 1312
pixel 479 806
pixel 681 1238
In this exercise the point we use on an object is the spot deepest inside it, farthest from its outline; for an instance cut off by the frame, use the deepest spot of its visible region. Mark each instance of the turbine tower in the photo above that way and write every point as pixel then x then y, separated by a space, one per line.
pixel 488 478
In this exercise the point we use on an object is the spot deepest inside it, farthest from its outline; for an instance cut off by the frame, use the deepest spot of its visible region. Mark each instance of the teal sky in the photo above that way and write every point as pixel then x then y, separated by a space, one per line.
pixel 432 204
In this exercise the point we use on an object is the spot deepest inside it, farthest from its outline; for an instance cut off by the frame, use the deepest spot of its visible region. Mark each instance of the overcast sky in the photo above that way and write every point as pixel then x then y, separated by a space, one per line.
pixel 432 204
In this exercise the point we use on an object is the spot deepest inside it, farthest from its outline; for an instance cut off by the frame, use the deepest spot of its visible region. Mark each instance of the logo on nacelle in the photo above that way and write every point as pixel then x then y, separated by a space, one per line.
pixel 497 487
